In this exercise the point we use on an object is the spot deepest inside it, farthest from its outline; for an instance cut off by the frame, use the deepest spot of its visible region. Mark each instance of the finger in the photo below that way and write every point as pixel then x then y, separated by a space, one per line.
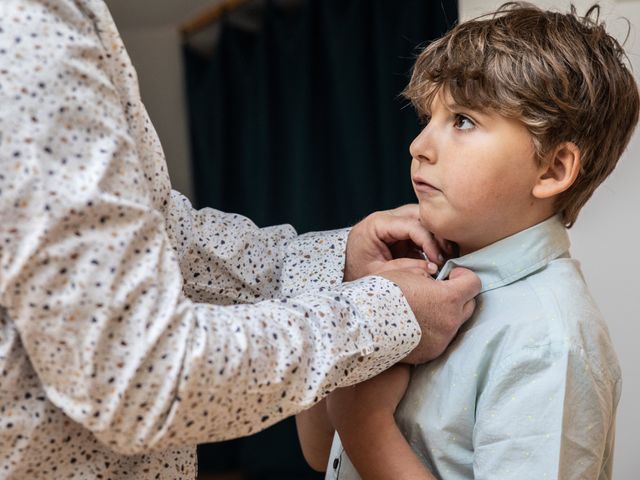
pixel 408 249
pixel 406 263
pixel 397 229
pixel 446 246
pixel 432 250
pixel 466 282
pixel 411 210
pixel 414 271
pixel 434 247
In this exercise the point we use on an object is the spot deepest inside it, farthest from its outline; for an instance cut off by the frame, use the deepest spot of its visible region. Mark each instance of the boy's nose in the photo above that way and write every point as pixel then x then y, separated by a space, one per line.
pixel 422 147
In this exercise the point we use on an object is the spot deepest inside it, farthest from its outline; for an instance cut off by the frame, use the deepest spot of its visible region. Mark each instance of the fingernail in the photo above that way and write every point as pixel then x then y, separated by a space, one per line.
pixel 432 267
pixel 440 257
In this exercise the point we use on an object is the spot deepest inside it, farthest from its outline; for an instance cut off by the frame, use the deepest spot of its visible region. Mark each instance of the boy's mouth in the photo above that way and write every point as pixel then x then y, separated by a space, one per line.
pixel 423 186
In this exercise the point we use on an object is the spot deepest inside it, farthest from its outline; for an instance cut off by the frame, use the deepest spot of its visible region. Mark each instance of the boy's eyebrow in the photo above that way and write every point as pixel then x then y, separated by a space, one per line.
pixel 452 105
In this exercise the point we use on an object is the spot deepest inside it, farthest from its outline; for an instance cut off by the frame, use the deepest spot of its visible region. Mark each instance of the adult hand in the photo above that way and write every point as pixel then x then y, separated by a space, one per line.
pixel 440 307
pixel 383 236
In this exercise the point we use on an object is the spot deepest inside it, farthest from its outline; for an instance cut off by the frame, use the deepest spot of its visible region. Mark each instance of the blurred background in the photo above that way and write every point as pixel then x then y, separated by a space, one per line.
pixel 288 111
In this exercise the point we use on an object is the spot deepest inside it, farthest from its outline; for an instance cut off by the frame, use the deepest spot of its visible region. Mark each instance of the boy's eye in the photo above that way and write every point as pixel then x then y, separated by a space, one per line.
pixel 463 123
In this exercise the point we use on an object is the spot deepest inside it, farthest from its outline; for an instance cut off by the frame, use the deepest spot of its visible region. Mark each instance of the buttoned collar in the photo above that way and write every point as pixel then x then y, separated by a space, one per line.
pixel 514 257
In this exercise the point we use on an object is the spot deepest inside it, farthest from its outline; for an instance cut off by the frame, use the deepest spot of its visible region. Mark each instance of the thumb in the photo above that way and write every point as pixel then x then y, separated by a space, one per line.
pixel 465 282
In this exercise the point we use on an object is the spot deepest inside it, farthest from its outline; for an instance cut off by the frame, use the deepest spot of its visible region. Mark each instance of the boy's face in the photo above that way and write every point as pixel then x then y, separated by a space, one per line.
pixel 473 173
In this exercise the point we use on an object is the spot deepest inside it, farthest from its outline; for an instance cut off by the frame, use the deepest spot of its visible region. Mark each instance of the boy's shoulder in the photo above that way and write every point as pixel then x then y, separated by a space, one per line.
pixel 535 304
pixel 548 314
pixel 556 294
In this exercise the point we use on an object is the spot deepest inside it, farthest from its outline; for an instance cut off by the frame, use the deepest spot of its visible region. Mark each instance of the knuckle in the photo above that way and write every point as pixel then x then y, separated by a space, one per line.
pixel 450 299
pixel 439 350
pixel 453 315
pixel 453 325
pixel 370 219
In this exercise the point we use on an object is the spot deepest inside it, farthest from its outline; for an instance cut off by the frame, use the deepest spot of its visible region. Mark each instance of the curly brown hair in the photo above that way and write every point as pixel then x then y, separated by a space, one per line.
pixel 562 75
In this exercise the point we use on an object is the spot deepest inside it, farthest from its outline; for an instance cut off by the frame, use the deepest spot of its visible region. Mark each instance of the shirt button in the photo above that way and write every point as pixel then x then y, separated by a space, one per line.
pixel 336 462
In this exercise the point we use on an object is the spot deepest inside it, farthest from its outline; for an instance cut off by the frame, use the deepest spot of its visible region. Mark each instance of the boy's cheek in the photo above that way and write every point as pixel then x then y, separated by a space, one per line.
pixel 428 217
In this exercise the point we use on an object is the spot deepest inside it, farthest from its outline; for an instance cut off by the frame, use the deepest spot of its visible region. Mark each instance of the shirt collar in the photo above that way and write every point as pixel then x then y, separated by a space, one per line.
pixel 514 257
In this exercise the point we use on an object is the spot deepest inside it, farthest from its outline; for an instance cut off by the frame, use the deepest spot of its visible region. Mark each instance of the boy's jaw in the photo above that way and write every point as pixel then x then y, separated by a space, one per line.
pixel 482 233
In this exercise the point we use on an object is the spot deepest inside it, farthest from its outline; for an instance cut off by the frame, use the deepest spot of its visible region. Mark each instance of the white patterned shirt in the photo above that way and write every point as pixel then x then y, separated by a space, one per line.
pixel 133 327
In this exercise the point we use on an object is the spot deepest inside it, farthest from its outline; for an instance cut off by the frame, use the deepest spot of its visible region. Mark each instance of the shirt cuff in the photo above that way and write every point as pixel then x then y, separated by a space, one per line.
pixel 314 260
pixel 390 330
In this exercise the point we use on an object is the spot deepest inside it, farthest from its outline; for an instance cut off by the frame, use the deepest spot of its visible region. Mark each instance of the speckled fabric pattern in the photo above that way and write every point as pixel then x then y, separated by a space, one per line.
pixel 133 327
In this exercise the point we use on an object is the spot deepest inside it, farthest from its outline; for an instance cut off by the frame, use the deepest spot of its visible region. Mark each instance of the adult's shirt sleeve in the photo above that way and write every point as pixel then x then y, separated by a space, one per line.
pixel 226 259
pixel 93 284
pixel 547 412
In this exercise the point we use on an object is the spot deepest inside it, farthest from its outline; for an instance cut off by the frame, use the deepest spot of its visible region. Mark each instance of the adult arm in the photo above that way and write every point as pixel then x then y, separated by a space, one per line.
pixel 226 259
pixel 94 286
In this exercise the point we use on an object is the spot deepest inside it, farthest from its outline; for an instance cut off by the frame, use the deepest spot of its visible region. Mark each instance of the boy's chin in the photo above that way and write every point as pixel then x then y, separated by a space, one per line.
pixel 442 230
pixel 438 226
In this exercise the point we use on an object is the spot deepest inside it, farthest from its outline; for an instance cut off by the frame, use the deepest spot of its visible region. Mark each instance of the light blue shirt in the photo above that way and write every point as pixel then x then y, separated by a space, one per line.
pixel 529 387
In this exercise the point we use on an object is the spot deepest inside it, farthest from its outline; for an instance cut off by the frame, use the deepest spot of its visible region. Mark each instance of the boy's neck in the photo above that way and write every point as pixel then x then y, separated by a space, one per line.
pixel 469 246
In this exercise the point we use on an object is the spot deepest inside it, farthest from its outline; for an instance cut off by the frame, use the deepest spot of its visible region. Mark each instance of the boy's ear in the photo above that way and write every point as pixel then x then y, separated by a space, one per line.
pixel 559 173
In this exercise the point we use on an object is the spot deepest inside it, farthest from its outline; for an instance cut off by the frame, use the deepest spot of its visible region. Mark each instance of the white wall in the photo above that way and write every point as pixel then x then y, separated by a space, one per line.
pixel 149 29
pixel 605 238
pixel 156 54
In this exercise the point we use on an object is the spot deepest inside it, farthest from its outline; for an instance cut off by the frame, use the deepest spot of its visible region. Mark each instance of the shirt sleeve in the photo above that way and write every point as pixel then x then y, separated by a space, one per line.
pixel 93 284
pixel 547 412
pixel 226 259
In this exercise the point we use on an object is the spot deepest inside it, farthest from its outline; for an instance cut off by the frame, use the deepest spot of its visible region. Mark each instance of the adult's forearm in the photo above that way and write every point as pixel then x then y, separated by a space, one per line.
pixel 226 259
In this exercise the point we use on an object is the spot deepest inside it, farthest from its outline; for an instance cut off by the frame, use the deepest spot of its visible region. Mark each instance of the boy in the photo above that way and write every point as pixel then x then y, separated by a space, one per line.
pixel 526 112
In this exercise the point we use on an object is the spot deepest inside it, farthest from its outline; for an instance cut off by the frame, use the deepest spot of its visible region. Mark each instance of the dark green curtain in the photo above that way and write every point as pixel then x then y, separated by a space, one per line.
pixel 301 122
